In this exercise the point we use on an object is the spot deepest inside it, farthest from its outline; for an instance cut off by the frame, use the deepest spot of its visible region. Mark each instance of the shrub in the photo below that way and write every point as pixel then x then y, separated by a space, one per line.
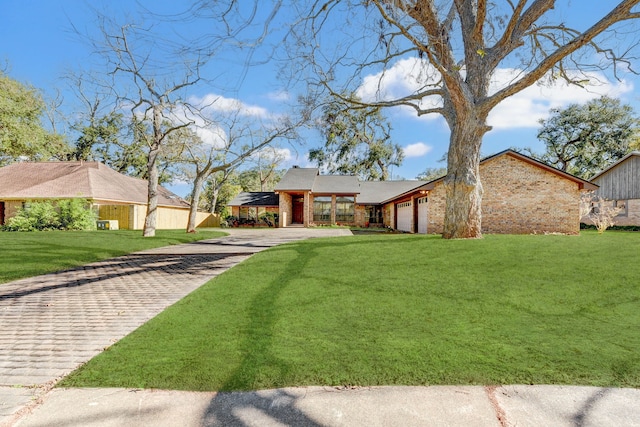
pixel 268 218
pixel 600 211
pixel 70 214
pixel 34 216
pixel 76 214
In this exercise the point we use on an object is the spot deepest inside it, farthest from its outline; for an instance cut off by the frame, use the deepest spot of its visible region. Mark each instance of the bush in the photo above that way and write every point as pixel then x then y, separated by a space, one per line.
pixel 70 214
pixel 268 218
pixel 76 214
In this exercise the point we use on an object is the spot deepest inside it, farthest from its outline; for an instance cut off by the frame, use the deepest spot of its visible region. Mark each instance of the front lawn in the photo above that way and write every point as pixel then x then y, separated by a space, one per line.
pixel 398 309
pixel 26 254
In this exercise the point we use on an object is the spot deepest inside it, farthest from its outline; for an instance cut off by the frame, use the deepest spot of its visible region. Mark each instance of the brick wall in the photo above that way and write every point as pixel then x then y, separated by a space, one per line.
pixel 633 214
pixel 519 198
pixel 630 217
pixel 285 211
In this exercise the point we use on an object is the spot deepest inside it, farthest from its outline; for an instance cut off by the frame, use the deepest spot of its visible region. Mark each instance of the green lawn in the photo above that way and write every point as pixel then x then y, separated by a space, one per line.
pixel 398 309
pixel 32 253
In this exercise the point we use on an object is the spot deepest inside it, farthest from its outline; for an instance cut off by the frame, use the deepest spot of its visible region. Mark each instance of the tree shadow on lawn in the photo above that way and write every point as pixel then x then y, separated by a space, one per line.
pixel 257 350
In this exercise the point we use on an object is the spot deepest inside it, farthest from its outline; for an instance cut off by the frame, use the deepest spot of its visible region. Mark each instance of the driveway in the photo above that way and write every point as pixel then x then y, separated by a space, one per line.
pixel 53 323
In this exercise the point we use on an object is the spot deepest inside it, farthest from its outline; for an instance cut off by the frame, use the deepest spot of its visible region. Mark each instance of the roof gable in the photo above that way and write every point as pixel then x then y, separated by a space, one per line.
pixel 581 182
pixel 298 179
pixel 605 171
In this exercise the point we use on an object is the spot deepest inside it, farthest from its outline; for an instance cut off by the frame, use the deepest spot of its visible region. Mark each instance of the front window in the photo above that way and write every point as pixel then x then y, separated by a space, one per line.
pixel 621 205
pixel 322 209
pixel 345 209
pixel 248 213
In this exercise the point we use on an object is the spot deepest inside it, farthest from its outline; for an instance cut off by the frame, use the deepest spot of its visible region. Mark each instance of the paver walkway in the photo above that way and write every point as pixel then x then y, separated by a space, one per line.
pixel 53 323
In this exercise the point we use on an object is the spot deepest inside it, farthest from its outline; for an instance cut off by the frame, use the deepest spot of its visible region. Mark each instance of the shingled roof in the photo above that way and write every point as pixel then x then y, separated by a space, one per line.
pixel 298 179
pixel 68 180
pixel 255 198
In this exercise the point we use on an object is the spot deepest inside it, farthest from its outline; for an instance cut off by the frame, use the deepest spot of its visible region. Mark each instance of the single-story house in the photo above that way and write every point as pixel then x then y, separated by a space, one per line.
pixel 249 207
pixel 620 183
pixel 114 196
pixel 521 195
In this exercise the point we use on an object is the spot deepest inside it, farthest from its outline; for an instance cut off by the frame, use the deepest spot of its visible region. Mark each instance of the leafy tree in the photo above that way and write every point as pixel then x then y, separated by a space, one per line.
pixel 357 142
pixel 21 131
pixel 97 137
pixel 454 48
pixel 584 139
pixel 430 174
pixel 219 190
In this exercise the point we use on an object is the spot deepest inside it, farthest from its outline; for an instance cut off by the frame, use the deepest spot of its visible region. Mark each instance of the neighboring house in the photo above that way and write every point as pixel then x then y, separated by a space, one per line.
pixel 521 195
pixel 250 206
pixel 620 183
pixel 113 195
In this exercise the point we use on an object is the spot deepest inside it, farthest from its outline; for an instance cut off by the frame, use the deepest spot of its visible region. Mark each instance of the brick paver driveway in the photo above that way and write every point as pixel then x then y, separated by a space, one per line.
pixel 53 323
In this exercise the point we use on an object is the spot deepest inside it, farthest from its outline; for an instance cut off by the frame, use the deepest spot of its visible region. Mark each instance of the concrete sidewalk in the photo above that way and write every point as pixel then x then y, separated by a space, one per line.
pixel 325 406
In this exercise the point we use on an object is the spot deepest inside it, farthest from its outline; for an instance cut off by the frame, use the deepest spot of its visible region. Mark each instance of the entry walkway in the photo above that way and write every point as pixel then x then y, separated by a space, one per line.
pixel 53 323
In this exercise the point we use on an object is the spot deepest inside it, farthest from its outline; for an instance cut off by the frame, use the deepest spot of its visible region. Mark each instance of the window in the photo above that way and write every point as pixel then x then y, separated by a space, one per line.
pixel 345 209
pixel 622 205
pixel 248 213
pixel 322 209
pixel 374 214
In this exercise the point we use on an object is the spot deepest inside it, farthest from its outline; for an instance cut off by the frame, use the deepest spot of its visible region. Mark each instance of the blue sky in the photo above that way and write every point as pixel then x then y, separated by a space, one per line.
pixel 39 46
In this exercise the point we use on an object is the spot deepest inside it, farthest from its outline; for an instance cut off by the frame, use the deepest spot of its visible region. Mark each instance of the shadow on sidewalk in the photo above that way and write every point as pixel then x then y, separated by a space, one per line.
pixel 128 265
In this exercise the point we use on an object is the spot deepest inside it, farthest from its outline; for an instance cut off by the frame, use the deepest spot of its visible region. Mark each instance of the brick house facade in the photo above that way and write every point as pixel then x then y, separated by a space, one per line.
pixel 521 196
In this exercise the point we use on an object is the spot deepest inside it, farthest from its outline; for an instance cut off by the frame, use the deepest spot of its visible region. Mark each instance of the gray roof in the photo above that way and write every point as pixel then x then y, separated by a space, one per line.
pixel 257 198
pixel 377 192
pixel 622 160
pixel 298 179
pixel 336 184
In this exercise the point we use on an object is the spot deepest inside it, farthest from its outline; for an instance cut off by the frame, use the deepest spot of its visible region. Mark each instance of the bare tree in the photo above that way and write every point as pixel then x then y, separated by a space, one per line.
pixel 236 137
pixel 457 47
pixel 598 210
pixel 156 67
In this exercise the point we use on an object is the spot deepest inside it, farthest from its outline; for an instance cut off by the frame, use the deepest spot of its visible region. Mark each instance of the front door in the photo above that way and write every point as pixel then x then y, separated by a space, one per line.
pixel 1 213
pixel 298 210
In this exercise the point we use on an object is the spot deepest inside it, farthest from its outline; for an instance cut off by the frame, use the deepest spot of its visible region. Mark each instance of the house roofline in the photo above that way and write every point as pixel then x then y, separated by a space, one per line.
pixel 615 164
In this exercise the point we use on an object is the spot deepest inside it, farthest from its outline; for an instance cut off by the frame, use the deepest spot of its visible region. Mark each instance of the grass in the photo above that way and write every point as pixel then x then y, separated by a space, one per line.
pixel 31 253
pixel 398 309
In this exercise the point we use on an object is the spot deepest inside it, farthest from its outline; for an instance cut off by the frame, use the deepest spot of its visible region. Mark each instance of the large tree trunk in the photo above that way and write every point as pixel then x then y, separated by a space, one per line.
pixel 195 200
pixel 152 201
pixel 463 214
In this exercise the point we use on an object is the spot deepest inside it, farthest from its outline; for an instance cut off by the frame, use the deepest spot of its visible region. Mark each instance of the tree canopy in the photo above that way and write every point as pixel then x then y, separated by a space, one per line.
pixel 584 139
pixel 357 142
pixel 459 59
pixel 22 135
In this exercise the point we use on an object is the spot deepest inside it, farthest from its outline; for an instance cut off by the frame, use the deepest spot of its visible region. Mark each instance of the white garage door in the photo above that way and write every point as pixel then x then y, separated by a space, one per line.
pixel 422 215
pixel 405 212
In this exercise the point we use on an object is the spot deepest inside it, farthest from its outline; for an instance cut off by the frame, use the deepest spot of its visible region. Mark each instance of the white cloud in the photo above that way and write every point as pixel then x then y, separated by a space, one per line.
pixel 523 110
pixel 404 78
pixel 272 153
pixel 219 103
pixel 418 149
pixel 526 108
pixel 279 96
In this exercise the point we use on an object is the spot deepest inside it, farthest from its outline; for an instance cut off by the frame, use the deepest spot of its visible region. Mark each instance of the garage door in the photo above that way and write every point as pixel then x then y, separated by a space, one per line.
pixel 405 213
pixel 422 215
